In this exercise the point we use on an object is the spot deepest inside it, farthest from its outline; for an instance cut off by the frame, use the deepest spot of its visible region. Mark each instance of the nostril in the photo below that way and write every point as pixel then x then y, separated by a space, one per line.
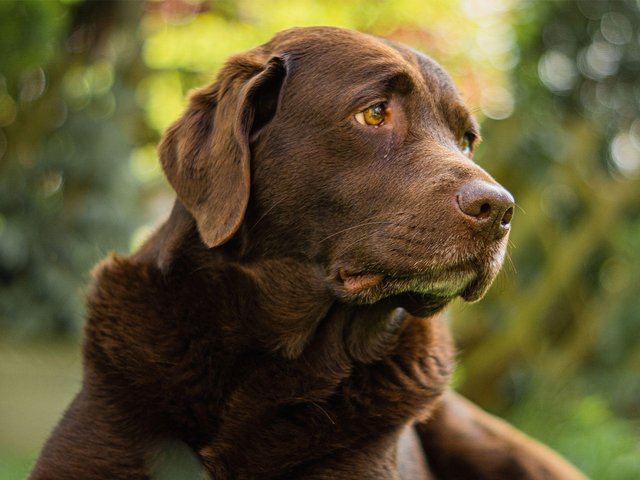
pixel 506 218
pixel 485 210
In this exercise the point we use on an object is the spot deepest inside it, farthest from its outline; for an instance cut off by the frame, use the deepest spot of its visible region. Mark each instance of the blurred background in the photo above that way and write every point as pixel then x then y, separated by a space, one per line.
pixel 87 87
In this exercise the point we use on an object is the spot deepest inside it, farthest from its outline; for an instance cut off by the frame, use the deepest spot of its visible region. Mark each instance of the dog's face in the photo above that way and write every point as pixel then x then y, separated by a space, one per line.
pixel 350 153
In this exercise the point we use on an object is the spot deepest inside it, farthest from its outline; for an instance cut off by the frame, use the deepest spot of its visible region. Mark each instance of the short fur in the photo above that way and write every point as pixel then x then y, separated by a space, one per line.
pixel 284 322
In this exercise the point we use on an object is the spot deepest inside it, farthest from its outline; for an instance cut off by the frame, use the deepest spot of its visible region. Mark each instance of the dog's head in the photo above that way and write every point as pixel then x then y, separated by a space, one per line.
pixel 349 152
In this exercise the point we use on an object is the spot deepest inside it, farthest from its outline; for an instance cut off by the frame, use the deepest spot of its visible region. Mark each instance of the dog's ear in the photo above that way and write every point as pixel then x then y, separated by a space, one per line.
pixel 206 154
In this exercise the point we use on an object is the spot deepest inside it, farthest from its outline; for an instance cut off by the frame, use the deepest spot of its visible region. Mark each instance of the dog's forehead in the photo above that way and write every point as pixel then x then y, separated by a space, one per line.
pixel 340 59
pixel 330 50
pixel 322 40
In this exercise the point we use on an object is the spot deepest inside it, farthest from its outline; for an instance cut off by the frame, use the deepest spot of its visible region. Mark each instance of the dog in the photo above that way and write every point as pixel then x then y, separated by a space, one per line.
pixel 284 322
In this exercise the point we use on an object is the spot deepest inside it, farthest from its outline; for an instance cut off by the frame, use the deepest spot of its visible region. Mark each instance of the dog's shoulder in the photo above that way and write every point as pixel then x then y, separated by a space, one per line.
pixel 122 287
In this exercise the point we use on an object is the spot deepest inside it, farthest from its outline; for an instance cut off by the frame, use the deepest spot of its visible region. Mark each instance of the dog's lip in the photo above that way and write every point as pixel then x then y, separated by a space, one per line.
pixel 355 282
pixel 358 282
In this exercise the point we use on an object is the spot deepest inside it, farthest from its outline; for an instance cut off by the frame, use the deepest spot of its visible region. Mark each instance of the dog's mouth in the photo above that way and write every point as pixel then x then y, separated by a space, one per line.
pixel 421 292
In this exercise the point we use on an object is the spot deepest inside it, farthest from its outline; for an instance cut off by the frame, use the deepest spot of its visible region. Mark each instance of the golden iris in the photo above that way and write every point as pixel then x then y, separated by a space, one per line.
pixel 374 115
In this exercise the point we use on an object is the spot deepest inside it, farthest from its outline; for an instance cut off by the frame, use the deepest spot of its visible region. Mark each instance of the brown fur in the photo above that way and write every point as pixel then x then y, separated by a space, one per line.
pixel 283 323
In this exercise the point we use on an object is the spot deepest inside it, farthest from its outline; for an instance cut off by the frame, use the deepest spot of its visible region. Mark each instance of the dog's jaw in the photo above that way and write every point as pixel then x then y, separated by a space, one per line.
pixel 427 289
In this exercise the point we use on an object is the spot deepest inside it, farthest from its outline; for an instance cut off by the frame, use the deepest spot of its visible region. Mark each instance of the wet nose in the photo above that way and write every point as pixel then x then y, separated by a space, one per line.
pixel 488 206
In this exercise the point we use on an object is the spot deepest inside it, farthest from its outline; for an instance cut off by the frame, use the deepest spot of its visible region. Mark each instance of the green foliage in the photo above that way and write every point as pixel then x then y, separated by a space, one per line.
pixel 28 35
pixel 66 195
pixel 584 429
pixel 12 467
pixel 566 310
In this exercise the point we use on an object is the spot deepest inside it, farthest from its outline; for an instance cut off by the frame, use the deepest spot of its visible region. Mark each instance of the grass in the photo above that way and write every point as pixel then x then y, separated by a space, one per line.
pixel 37 382
pixel 15 466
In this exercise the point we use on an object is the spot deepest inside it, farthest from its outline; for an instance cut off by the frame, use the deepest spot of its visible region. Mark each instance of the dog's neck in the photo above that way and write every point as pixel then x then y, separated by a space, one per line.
pixel 285 299
pixel 266 340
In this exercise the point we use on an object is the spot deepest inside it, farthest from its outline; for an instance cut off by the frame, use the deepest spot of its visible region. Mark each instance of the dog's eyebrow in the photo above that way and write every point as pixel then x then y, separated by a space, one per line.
pixel 392 80
pixel 461 120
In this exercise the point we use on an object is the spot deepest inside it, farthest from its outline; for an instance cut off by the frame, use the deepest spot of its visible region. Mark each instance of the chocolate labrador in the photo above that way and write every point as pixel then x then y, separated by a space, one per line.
pixel 284 322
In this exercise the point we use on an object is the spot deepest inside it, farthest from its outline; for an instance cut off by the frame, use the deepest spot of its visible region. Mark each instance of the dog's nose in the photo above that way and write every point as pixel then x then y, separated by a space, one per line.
pixel 488 205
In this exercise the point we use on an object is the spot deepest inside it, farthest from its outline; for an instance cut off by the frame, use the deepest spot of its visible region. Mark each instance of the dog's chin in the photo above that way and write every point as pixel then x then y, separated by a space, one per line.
pixel 420 305
pixel 421 293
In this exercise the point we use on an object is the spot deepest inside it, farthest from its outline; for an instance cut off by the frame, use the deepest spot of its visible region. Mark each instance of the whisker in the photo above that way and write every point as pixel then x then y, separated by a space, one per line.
pixel 357 240
pixel 353 228
pixel 323 411
pixel 364 224
pixel 266 213
pixel 511 263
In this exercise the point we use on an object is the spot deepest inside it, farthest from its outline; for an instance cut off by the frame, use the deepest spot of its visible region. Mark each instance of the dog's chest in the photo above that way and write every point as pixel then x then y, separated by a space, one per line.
pixel 405 383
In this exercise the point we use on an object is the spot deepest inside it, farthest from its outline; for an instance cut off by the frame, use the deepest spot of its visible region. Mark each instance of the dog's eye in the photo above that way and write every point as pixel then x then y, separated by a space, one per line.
pixel 466 144
pixel 374 115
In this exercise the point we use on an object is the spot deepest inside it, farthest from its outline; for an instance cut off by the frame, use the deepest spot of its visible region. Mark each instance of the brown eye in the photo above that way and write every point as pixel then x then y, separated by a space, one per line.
pixel 373 115
pixel 466 144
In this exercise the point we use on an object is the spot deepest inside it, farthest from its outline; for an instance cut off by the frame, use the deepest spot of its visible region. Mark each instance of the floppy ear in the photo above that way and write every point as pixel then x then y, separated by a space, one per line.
pixel 206 154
